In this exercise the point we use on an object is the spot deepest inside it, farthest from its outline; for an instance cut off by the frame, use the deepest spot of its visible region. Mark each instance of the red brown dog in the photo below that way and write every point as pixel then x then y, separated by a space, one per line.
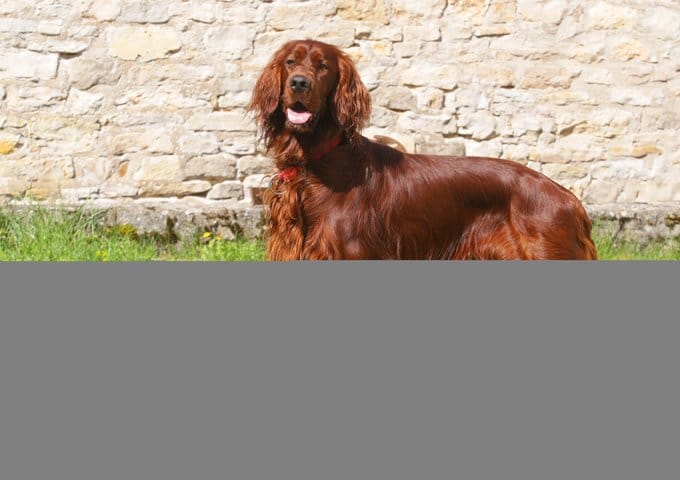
pixel 338 195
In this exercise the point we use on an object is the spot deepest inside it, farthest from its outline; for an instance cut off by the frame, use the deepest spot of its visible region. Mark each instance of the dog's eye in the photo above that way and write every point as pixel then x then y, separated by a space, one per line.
pixel 323 66
pixel 290 62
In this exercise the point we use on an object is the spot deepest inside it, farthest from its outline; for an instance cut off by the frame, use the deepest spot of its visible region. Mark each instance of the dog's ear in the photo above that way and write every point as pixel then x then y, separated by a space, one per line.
pixel 351 101
pixel 267 90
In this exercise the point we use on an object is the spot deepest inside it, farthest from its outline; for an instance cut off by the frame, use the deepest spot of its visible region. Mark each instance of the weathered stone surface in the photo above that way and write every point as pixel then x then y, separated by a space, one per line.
pixel 234 121
pixel 605 15
pixel 146 11
pixel 640 97
pixel 373 11
pixel 8 142
pixel 233 41
pixel 203 12
pixel 143 42
pixel 83 103
pixel 394 98
pixel 30 65
pixel 153 139
pixel 164 168
pixel 104 10
pixel 491 148
pixel 84 73
pixel 229 190
pixel 440 76
pixel 200 143
pixel 174 189
pixel 411 121
pixel 253 165
pixel 212 167
pixel 550 12
pixel 480 125
pixel 14 6
pixel 662 22
pixel 420 11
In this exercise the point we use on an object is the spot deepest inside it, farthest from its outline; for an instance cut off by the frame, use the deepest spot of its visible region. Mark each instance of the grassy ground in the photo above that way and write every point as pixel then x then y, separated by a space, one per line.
pixel 42 235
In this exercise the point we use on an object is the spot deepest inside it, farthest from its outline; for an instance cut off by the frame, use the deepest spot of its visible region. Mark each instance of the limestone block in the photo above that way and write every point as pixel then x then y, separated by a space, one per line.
pixel 597 75
pixel 631 49
pixel 232 121
pixel 662 22
pixel 526 122
pixel 418 122
pixel 287 16
pixel 14 6
pixel 165 168
pixel 417 33
pixel 54 45
pixel 79 102
pixel 479 125
pixel 229 190
pixel 30 65
pixel 148 42
pixel 372 11
pixel 146 11
pixel 232 41
pixel 253 165
pixel 203 12
pixel 518 153
pixel 16 25
pixel 104 10
pixel 84 73
pixel 239 13
pixel 428 74
pixel 198 143
pixel 367 31
pixel 605 15
pixel 394 98
pixel 490 148
pixel 152 138
pixel 174 189
pixel 11 187
pixel 550 12
pixel 430 98
pixel 382 117
pixel 421 11
pixel 239 145
pixel 600 191
pixel 637 96
pixel 211 167
pixel 30 97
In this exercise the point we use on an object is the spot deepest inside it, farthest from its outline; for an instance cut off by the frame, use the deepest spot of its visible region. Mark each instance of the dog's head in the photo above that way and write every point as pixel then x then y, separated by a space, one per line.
pixel 307 84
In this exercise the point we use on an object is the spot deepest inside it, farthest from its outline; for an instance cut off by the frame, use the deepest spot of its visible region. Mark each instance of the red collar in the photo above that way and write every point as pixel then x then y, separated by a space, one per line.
pixel 326 148
pixel 292 172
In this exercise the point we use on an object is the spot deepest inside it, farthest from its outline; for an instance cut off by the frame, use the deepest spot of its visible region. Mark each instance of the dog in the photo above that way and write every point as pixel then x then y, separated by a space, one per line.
pixel 338 195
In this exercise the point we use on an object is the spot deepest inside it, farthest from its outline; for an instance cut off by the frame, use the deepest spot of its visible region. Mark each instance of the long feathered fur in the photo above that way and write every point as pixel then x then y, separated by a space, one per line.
pixel 364 200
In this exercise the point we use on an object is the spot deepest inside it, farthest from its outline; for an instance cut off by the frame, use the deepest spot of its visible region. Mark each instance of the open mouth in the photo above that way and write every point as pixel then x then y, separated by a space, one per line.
pixel 298 114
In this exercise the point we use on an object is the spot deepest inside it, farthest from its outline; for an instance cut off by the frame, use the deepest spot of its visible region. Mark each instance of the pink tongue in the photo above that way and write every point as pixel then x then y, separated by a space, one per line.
pixel 298 117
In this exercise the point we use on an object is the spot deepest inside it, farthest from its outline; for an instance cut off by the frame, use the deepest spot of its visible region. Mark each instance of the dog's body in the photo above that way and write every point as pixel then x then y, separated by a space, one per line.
pixel 339 195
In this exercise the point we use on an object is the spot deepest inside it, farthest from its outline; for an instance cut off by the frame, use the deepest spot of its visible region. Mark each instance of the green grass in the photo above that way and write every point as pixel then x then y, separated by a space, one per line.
pixel 610 249
pixel 43 235
pixel 40 234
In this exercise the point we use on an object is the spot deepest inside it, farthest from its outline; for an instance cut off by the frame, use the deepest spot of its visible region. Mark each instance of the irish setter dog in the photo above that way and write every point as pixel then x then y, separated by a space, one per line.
pixel 338 195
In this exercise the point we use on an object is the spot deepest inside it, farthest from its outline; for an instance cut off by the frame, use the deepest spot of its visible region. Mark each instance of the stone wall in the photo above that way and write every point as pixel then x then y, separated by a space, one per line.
pixel 130 99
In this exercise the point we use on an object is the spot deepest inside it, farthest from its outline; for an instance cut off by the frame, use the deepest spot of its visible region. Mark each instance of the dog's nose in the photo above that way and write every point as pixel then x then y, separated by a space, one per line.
pixel 300 84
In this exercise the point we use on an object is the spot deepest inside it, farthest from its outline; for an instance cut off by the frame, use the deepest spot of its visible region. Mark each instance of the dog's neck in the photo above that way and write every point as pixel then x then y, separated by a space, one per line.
pixel 303 149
